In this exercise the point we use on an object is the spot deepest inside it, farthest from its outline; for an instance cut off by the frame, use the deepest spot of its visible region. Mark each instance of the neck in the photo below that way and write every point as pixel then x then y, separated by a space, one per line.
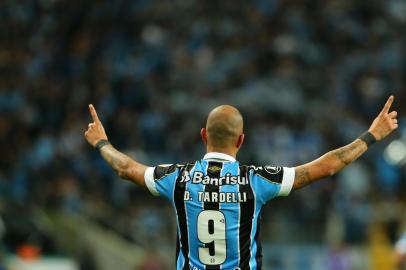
pixel 228 151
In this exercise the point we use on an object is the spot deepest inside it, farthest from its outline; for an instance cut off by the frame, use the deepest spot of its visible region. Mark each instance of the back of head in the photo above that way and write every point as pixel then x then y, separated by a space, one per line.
pixel 224 126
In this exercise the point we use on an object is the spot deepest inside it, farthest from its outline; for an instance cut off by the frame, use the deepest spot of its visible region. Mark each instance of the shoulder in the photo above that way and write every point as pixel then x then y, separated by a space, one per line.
pixel 167 169
pixel 268 172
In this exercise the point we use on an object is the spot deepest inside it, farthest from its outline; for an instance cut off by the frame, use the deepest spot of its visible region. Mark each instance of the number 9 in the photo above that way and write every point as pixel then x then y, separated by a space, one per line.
pixel 211 231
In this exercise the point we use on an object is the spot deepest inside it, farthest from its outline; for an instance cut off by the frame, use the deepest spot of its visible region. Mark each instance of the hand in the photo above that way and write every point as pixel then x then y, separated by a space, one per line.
pixel 385 122
pixel 95 131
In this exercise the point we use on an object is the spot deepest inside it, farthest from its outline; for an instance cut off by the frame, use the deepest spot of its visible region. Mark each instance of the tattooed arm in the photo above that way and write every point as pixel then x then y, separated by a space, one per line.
pixel 328 164
pixel 125 167
pixel 333 161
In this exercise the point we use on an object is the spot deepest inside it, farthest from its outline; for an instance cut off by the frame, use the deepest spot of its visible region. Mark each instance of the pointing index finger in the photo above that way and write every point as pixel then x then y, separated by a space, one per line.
pixel 388 104
pixel 93 113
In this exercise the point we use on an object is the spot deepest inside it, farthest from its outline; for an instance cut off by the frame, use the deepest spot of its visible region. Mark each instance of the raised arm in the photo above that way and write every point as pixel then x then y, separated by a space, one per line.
pixel 333 161
pixel 126 167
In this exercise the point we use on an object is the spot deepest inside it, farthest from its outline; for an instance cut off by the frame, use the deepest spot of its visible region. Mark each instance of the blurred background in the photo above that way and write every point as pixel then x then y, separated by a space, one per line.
pixel 308 76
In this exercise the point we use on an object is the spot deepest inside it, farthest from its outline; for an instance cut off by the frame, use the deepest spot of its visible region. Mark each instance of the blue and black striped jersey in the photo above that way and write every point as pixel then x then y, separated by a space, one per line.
pixel 218 205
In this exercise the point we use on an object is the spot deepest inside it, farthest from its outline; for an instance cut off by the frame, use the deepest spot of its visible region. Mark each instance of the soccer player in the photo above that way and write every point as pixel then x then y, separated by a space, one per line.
pixel 217 200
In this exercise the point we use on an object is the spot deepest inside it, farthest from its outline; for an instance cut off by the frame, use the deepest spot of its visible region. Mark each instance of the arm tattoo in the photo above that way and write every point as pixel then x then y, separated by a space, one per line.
pixel 125 167
pixel 302 177
pixel 349 153
pixel 117 160
pixel 329 163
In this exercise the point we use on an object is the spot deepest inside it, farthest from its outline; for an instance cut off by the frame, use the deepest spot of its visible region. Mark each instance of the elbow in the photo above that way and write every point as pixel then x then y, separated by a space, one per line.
pixel 328 166
pixel 331 172
pixel 124 170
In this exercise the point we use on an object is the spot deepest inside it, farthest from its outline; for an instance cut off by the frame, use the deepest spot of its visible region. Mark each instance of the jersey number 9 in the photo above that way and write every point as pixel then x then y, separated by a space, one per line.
pixel 211 231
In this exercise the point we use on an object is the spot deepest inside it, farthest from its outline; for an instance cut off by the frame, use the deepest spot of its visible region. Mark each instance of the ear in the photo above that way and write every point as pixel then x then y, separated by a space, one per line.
pixel 240 140
pixel 203 134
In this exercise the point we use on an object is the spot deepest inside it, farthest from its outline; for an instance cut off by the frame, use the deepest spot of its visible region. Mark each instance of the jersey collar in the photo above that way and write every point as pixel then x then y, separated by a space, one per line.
pixel 217 155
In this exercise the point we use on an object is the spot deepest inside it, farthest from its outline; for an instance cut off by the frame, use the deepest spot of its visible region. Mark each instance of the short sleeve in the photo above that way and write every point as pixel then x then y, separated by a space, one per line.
pixel 269 182
pixel 161 179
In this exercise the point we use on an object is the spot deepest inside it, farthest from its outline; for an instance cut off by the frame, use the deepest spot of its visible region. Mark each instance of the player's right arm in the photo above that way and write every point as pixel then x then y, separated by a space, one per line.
pixel 126 167
pixel 333 161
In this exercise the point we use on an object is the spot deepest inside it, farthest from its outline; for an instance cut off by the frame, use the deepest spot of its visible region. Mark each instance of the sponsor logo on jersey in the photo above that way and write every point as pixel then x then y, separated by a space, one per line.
pixel 228 179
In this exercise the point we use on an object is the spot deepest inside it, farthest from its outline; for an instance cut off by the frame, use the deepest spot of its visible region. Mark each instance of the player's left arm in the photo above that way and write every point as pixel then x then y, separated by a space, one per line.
pixel 335 160
pixel 126 167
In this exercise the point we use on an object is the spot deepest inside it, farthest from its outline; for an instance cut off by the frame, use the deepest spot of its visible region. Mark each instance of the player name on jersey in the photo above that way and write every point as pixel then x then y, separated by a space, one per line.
pixel 228 179
pixel 217 197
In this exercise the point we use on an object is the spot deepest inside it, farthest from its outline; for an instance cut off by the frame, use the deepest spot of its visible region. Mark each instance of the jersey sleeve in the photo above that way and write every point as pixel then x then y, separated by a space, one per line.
pixel 269 182
pixel 160 180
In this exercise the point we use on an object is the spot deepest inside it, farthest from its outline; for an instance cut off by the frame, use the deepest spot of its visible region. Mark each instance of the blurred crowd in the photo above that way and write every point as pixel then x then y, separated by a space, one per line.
pixel 308 76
